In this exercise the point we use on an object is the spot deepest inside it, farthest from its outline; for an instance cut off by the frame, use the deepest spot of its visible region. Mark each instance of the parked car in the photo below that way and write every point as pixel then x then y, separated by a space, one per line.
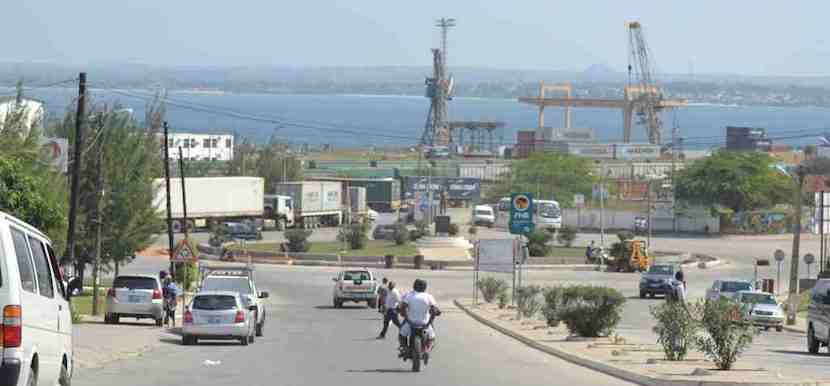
pixel 761 309
pixel 728 289
pixel 242 230
pixel 656 280
pixel 37 348
pixel 135 296
pixel 355 285
pixel 484 215
pixel 818 317
pixel 239 280
pixel 220 315
pixel 384 232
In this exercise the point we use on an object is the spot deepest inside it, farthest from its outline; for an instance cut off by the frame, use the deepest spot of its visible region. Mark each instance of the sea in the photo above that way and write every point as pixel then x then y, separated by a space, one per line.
pixel 379 120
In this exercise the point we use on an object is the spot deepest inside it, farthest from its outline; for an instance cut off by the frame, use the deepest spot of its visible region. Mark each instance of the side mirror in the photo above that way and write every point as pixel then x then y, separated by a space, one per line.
pixel 74 286
pixel 263 295
pixel 252 308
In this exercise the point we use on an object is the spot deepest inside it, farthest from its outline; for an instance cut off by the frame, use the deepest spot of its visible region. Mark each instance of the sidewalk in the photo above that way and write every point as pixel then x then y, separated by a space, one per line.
pixel 95 344
pixel 633 361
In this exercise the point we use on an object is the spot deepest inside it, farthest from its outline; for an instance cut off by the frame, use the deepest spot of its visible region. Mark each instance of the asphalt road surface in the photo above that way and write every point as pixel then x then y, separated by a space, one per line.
pixel 307 342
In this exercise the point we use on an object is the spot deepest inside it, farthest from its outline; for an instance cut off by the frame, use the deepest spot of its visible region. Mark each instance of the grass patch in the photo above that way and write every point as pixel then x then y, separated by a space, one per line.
pixel 566 252
pixel 102 281
pixel 82 304
pixel 803 301
pixel 373 248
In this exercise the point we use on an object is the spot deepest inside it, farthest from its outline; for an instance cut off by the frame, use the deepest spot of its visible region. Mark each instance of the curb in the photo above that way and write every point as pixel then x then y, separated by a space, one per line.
pixel 604 368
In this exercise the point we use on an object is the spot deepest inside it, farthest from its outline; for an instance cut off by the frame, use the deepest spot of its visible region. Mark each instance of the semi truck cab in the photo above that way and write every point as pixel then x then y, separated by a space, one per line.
pixel 280 209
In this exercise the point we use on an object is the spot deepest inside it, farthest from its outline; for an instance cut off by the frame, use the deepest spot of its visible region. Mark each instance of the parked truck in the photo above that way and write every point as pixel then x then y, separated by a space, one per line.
pixel 210 200
pixel 382 194
pixel 314 203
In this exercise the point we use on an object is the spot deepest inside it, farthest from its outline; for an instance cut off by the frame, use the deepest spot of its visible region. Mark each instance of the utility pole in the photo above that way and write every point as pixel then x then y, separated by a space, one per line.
pixel 792 301
pixel 99 190
pixel 166 148
pixel 184 196
pixel 649 214
pixel 76 168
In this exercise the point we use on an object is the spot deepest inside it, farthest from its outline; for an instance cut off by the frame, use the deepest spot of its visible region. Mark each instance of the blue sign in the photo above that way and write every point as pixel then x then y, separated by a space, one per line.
pixel 521 213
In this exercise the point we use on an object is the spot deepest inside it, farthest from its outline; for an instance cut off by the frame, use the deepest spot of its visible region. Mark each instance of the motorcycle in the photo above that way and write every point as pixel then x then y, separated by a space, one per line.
pixel 418 346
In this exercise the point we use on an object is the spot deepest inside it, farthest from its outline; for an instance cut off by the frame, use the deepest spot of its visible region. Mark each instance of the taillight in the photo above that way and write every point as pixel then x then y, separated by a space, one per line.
pixel 111 292
pixel 12 321
pixel 156 294
pixel 188 317
pixel 240 317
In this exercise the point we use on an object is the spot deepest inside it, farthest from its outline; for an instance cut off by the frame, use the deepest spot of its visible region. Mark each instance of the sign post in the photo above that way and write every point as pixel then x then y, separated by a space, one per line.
pixel 579 202
pixel 779 256
pixel 809 259
pixel 521 213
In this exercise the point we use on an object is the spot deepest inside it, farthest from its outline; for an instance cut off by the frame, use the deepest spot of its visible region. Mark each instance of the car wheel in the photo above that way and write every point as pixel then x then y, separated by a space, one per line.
pixel 114 319
pixel 260 327
pixel 244 340
pixel 251 338
pixel 812 342
pixel 372 303
pixel 64 379
pixel 159 322
pixel 32 381
pixel 779 328
pixel 188 340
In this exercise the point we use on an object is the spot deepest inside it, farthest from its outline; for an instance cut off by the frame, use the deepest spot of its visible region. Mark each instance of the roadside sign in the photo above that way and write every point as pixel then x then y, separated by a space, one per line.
pixel 184 253
pixel 579 200
pixel 496 255
pixel 521 213
pixel 779 255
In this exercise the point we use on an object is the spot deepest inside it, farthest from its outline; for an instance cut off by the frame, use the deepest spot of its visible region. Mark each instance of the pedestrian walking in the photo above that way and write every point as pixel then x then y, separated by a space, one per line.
pixel 382 295
pixel 589 253
pixel 170 294
pixel 393 298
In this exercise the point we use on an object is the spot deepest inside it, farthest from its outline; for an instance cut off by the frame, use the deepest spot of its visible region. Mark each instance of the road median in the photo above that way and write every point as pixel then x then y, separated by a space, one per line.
pixel 641 363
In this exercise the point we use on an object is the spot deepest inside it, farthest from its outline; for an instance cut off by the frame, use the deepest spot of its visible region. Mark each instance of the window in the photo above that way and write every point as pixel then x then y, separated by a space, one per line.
pixel 186 144
pixel 135 282
pixel 193 142
pixel 206 142
pixel 44 276
pixel 356 275
pixel 228 143
pixel 214 302
pixel 214 142
pixel 56 271
pixel 24 262
pixel 234 284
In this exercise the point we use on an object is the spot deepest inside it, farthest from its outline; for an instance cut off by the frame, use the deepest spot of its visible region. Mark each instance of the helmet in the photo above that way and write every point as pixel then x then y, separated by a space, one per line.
pixel 162 274
pixel 420 285
pixel 678 276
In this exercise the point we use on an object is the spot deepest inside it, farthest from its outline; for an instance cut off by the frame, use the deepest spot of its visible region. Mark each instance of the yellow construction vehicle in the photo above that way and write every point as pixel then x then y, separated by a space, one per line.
pixel 632 256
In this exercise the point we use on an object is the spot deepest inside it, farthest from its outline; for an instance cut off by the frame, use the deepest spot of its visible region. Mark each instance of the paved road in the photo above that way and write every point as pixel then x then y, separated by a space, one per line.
pixel 309 343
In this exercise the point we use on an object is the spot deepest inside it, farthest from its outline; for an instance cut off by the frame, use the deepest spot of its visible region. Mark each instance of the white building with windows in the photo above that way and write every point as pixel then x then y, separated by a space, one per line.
pixel 197 147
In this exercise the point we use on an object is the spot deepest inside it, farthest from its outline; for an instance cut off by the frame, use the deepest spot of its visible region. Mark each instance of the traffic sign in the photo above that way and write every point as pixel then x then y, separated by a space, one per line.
pixel 184 253
pixel 779 255
pixel 521 213
pixel 809 259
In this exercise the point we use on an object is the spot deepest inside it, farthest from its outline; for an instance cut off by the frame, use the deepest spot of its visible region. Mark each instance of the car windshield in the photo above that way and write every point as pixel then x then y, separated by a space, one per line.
pixel 214 302
pixel 755 298
pixel 135 282
pixel 483 212
pixel 661 269
pixel 549 210
pixel 233 284
pixel 734 286
pixel 356 275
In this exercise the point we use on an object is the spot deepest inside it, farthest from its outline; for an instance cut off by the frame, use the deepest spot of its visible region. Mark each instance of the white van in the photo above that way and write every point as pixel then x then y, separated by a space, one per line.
pixel 37 323
pixel 484 215
pixel 548 214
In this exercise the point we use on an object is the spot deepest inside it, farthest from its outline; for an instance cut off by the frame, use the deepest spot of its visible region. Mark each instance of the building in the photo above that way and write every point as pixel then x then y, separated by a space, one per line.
pixel 33 111
pixel 747 139
pixel 197 147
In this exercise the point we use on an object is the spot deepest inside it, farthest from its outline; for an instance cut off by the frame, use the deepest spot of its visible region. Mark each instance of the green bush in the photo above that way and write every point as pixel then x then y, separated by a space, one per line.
pixel 491 287
pixel 676 328
pixel 355 235
pixel 400 234
pixel 553 304
pixel 566 236
pixel 537 243
pixel 423 227
pixel 453 230
pixel 625 235
pixel 187 274
pixel 472 230
pixel 298 240
pixel 414 235
pixel 591 311
pixel 726 335
pixel 503 297
pixel 528 301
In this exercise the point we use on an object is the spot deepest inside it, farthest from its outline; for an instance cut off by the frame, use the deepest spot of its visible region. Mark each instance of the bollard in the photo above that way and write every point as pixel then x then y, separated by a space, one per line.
pixel 419 261
pixel 389 261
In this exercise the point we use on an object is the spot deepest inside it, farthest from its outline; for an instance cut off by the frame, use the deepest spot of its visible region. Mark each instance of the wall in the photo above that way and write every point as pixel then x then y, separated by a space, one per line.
pixel 624 219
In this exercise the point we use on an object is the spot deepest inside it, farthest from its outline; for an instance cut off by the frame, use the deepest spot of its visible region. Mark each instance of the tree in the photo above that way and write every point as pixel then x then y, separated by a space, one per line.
pixel 553 175
pixel 737 180
pixel 275 165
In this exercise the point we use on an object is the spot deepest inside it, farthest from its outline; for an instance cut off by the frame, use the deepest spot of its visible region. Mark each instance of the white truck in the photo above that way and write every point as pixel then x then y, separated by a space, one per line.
pixel 313 203
pixel 211 200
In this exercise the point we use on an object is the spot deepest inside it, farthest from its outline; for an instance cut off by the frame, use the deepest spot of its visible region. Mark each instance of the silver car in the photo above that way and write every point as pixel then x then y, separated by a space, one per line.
pixel 761 309
pixel 728 289
pixel 219 315
pixel 134 296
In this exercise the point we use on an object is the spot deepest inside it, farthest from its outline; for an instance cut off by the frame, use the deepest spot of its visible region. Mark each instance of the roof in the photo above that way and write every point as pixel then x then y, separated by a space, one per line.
pixel 139 275
pixel 484 207
pixel 24 225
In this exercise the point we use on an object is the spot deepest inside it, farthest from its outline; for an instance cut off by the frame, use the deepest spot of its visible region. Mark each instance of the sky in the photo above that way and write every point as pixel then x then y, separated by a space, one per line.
pixel 758 37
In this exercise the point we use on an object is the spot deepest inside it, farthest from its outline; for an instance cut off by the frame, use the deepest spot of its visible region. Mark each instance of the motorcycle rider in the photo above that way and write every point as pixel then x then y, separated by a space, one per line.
pixel 418 309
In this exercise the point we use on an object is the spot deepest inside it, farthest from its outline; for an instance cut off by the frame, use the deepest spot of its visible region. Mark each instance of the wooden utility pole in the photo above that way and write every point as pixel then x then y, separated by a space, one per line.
pixel 76 169
pixel 184 195
pixel 167 187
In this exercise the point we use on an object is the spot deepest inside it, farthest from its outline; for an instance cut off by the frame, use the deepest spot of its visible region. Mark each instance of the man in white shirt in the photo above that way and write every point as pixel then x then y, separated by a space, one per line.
pixel 418 309
pixel 392 298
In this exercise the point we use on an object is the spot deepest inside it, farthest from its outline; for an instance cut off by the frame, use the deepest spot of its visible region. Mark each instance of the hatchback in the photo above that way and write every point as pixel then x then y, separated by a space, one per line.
pixel 219 315
pixel 135 296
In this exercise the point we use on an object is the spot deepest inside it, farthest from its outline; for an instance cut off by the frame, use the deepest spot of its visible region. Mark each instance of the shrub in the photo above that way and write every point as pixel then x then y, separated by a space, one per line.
pixel 414 235
pixel 490 287
pixel 423 227
pixel 726 334
pixel 566 236
pixel 187 274
pixel 553 304
pixel 676 328
pixel 591 311
pixel 355 235
pixel 400 234
pixel 473 230
pixel 625 235
pixel 503 298
pixel 528 301
pixel 537 243
pixel 298 240
pixel 453 230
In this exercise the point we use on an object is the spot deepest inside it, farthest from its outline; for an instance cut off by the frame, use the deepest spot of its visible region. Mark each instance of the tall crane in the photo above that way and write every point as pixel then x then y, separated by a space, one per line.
pixel 646 96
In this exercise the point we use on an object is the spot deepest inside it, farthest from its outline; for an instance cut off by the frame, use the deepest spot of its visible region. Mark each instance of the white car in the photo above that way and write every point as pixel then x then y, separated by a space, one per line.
pixel 727 289
pixel 134 296
pixel 220 315
pixel 239 280
pixel 818 317
pixel 484 215
pixel 372 215
pixel 355 285
pixel 37 322
pixel 761 309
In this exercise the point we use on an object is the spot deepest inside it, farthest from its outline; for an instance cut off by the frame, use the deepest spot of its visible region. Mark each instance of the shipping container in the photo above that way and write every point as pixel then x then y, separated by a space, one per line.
pixel 314 202
pixel 211 199
pixel 381 194
pixel 357 198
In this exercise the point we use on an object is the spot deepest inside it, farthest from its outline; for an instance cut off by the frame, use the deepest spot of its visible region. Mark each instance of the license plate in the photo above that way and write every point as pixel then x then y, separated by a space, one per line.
pixel 134 299
pixel 214 320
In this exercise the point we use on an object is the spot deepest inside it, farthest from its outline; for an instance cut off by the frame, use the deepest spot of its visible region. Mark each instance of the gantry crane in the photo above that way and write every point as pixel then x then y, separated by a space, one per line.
pixel 647 95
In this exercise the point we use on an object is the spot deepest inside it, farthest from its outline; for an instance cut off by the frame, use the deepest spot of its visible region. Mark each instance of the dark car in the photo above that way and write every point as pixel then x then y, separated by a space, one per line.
pixel 384 232
pixel 242 230
pixel 656 280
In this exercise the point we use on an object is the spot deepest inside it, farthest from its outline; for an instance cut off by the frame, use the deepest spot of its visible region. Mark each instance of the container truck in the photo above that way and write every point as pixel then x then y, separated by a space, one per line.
pixel 314 203
pixel 382 194
pixel 210 200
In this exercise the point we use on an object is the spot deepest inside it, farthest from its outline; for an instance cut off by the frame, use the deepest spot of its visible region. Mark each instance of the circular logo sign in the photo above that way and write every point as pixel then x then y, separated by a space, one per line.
pixel 521 202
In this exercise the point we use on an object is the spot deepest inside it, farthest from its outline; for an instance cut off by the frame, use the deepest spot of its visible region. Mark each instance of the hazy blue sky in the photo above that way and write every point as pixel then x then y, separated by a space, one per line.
pixel 746 37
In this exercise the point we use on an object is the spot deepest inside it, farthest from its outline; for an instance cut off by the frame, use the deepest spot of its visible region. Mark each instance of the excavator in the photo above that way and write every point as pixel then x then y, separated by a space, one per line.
pixel 630 257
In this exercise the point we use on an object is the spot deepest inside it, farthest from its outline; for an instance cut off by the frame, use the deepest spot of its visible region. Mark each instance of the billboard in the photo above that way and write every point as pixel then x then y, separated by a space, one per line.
pixel 463 188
